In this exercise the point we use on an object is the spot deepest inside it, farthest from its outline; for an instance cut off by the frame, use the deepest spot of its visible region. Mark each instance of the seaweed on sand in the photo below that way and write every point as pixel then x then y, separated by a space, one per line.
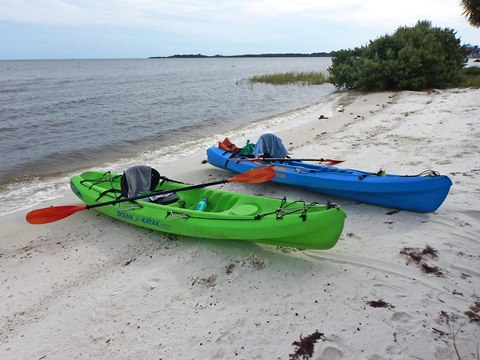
pixel 427 269
pixel 417 256
pixel 380 304
pixel 305 346
pixel 474 313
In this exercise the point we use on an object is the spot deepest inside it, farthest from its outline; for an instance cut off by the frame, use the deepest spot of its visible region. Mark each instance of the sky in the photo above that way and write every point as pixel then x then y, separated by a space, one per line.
pixel 96 29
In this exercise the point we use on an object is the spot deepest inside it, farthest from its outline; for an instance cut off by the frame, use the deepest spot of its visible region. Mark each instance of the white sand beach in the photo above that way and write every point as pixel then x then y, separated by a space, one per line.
pixel 398 285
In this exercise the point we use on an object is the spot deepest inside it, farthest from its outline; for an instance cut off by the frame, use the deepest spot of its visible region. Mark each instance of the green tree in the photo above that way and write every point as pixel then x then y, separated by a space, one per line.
pixel 413 58
pixel 471 10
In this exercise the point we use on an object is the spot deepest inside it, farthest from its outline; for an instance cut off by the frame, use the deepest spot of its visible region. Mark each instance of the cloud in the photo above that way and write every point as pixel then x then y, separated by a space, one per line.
pixel 160 13
pixel 230 26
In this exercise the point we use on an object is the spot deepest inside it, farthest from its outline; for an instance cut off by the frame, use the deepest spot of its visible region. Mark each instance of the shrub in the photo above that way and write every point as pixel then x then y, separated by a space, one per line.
pixel 415 58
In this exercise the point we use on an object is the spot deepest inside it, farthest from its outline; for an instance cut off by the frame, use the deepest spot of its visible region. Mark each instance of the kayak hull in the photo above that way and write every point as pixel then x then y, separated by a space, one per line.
pixel 228 216
pixel 412 193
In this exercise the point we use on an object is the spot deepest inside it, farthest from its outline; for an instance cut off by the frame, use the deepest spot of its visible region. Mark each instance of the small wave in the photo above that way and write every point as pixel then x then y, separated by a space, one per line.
pixel 26 193
pixel 77 115
pixel 23 193
pixel 93 100
pixel 6 129
pixel 13 90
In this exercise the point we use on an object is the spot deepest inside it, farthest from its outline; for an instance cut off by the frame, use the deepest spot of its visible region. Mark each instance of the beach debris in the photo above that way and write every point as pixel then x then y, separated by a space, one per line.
pixel 323 117
pixel 129 261
pixel 204 161
pixel 435 270
pixel 380 304
pixel 417 256
pixel 305 346
pixel 439 332
pixel 465 276
pixel 447 319
pixel 351 234
pixel 229 268
pixel 254 262
pixel 474 313
pixel 450 320
pixel 210 281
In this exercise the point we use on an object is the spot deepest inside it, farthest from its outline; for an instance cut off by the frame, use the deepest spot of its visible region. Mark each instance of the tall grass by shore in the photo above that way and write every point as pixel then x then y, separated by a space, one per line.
pixel 471 78
pixel 304 78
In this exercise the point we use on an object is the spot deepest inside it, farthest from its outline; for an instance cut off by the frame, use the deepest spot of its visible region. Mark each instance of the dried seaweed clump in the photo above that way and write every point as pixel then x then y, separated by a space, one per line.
pixel 229 268
pixel 380 304
pixel 417 256
pixel 448 318
pixel 435 270
pixel 474 312
pixel 305 346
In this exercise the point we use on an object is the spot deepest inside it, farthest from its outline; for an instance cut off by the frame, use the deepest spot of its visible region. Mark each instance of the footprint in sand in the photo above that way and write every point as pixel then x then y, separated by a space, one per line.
pixel 401 317
pixel 151 284
pixel 254 262
pixel 331 352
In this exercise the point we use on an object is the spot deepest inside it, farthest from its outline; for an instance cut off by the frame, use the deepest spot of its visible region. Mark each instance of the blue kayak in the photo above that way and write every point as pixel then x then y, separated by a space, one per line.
pixel 419 193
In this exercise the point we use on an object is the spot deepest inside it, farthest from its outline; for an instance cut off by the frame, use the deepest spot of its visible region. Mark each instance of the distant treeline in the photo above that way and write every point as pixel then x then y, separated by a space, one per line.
pixel 319 54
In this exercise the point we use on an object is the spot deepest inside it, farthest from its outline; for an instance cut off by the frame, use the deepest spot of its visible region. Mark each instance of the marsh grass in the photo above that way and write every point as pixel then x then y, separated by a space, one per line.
pixel 303 78
pixel 471 77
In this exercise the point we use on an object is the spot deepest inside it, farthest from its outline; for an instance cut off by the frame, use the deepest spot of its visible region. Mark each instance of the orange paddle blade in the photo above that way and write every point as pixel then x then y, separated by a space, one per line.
pixel 52 213
pixel 332 161
pixel 254 176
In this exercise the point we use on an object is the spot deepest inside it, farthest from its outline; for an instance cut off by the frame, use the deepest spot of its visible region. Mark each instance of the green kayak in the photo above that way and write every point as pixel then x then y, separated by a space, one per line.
pixel 227 215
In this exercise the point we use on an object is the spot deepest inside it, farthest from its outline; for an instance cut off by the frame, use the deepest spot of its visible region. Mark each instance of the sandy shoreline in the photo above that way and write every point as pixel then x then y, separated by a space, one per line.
pixel 92 287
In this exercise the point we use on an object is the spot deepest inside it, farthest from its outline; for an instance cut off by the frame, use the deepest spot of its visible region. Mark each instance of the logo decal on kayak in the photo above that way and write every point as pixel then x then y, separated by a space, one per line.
pixel 143 219
pixel 75 191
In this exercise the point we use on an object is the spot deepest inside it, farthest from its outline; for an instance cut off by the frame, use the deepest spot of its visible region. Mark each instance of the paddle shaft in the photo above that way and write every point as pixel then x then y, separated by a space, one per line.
pixel 287 159
pixel 155 193
pixel 55 213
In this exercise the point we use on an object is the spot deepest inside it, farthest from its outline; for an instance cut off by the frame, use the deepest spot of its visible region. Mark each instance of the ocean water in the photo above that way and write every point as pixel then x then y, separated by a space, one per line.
pixel 60 117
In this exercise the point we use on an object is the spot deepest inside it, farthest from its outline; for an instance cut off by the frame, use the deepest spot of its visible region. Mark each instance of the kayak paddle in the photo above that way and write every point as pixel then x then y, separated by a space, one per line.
pixel 331 161
pixel 55 213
